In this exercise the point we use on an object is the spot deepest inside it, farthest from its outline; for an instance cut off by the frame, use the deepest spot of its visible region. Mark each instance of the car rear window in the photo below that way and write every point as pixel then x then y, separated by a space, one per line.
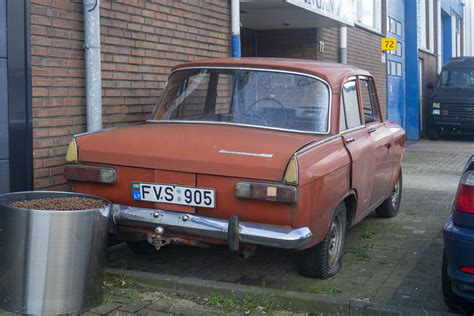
pixel 270 99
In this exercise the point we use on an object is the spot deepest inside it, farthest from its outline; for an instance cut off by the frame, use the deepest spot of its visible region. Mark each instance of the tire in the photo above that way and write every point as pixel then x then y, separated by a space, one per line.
pixel 324 260
pixel 390 207
pixel 142 247
pixel 434 133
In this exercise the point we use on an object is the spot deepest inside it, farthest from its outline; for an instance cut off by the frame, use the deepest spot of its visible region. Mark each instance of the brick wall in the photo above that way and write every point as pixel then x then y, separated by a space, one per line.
pixel 329 37
pixel 141 41
pixel 428 75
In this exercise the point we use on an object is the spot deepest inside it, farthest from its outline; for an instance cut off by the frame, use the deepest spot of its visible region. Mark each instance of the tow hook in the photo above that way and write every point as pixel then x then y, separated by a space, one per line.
pixel 157 240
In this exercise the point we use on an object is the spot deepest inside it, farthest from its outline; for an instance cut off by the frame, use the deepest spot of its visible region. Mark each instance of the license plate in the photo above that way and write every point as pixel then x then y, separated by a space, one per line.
pixel 173 194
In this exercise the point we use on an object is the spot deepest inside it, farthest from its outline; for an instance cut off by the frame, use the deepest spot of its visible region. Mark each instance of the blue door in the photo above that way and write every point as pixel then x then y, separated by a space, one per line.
pixel 396 106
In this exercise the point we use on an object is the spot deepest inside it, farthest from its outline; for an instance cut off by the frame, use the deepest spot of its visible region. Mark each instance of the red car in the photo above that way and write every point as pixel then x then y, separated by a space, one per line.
pixel 249 152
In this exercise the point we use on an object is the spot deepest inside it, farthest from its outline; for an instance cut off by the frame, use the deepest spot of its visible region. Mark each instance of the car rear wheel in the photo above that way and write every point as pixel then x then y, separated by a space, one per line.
pixel 142 247
pixel 324 259
pixel 390 207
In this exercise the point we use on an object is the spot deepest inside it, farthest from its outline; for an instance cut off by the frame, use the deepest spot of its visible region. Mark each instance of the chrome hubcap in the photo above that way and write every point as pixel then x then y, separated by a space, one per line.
pixel 396 194
pixel 335 242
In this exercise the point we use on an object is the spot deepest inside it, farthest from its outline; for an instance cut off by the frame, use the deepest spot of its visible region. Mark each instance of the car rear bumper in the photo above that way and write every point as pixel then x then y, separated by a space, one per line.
pixel 212 228
pixel 459 245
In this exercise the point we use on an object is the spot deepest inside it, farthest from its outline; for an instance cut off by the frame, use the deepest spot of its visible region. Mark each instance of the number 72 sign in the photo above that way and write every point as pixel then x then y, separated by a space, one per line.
pixel 389 43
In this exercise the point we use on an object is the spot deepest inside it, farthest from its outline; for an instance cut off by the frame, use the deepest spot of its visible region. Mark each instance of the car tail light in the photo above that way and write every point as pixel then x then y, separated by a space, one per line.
pixel 291 172
pixel 266 192
pixel 90 174
pixel 465 195
pixel 71 156
pixel 468 270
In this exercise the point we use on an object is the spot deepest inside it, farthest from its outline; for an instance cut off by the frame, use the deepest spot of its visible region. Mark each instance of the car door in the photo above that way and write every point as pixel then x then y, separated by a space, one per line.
pixel 381 138
pixel 359 144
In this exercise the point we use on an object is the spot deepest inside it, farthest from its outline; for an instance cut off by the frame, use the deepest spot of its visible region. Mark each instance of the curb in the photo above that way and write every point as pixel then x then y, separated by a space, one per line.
pixel 297 301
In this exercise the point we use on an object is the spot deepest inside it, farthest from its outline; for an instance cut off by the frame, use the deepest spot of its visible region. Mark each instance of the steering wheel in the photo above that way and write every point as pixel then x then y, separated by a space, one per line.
pixel 253 111
pixel 251 106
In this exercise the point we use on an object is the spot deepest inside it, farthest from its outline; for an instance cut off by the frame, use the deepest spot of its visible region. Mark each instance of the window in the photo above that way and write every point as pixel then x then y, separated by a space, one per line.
pixel 350 112
pixel 397 52
pixel 425 24
pixel 399 29
pixel 399 49
pixel 251 97
pixel 394 68
pixel 457 78
pixel 394 26
pixel 456 35
pixel 368 13
pixel 368 101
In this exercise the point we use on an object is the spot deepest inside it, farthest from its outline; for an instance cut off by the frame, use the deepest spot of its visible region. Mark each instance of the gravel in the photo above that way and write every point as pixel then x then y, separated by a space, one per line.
pixel 60 204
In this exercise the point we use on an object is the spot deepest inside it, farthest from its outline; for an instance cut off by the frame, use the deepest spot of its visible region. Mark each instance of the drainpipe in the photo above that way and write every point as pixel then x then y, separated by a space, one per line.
pixel 93 68
pixel 235 17
pixel 439 37
pixel 343 44
pixel 463 29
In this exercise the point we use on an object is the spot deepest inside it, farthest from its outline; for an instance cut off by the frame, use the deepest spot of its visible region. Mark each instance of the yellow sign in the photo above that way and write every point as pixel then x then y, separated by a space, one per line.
pixel 389 43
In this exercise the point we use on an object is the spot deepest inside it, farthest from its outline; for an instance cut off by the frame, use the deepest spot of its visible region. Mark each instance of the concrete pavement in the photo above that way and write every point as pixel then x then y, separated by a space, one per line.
pixel 390 261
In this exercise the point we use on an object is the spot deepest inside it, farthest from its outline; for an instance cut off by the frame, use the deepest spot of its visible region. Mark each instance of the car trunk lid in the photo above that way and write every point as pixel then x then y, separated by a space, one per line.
pixel 214 149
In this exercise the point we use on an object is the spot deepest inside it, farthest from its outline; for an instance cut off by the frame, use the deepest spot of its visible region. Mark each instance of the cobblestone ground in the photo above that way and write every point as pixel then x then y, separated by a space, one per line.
pixel 395 261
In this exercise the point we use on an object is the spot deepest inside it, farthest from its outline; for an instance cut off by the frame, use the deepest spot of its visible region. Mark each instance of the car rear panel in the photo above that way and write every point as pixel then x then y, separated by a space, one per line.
pixel 227 204
pixel 459 245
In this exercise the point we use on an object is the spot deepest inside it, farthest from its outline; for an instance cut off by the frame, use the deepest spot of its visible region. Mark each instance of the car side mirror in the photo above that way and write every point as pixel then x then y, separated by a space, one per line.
pixel 430 85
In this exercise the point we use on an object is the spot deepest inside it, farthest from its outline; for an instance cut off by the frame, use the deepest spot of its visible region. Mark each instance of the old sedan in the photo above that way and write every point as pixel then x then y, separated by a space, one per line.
pixel 249 152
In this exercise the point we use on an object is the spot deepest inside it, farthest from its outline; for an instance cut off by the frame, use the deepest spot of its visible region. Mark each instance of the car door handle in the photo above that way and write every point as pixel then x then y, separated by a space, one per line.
pixel 350 139
pixel 371 130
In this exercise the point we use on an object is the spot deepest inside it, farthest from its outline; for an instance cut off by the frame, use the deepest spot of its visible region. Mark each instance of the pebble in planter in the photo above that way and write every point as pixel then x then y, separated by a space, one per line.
pixel 52 248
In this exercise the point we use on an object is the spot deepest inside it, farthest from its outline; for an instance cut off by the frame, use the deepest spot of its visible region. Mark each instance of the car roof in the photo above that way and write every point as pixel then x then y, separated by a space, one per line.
pixel 458 62
pixel 333 73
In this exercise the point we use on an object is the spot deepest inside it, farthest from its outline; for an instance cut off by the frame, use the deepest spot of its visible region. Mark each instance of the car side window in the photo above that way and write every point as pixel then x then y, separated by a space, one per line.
pixel 368 101
pixel 350 111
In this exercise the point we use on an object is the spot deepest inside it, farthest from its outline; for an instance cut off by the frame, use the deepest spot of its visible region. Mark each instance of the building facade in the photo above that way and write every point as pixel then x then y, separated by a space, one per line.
pixel 469 28
pixel 42 60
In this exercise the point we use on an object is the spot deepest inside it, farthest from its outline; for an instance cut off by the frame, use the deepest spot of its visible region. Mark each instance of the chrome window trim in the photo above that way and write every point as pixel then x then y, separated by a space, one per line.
pixel 312 145
pixel 352 129
pixel 341 100
pixel 327 132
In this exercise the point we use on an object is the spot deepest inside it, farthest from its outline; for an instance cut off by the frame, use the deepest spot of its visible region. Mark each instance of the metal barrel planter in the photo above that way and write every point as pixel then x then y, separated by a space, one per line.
pixel 51 262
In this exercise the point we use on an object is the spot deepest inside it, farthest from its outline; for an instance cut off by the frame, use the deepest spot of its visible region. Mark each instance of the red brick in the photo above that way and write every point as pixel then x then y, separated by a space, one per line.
pixel 140 44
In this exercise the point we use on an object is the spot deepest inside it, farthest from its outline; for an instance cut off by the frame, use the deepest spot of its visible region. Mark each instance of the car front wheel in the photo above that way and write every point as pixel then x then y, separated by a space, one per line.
pixel 324 259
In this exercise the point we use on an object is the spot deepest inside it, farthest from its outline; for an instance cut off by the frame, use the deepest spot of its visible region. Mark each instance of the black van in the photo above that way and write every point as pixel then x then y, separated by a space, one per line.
pixel 451 107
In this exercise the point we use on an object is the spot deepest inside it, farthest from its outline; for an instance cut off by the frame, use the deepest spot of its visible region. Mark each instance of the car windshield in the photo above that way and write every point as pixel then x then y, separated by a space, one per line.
pixel 251 97
pixel 457 78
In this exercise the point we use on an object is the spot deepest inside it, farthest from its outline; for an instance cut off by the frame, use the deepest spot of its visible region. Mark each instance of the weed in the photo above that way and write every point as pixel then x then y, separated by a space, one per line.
pixel 328 290
pixel 222 302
